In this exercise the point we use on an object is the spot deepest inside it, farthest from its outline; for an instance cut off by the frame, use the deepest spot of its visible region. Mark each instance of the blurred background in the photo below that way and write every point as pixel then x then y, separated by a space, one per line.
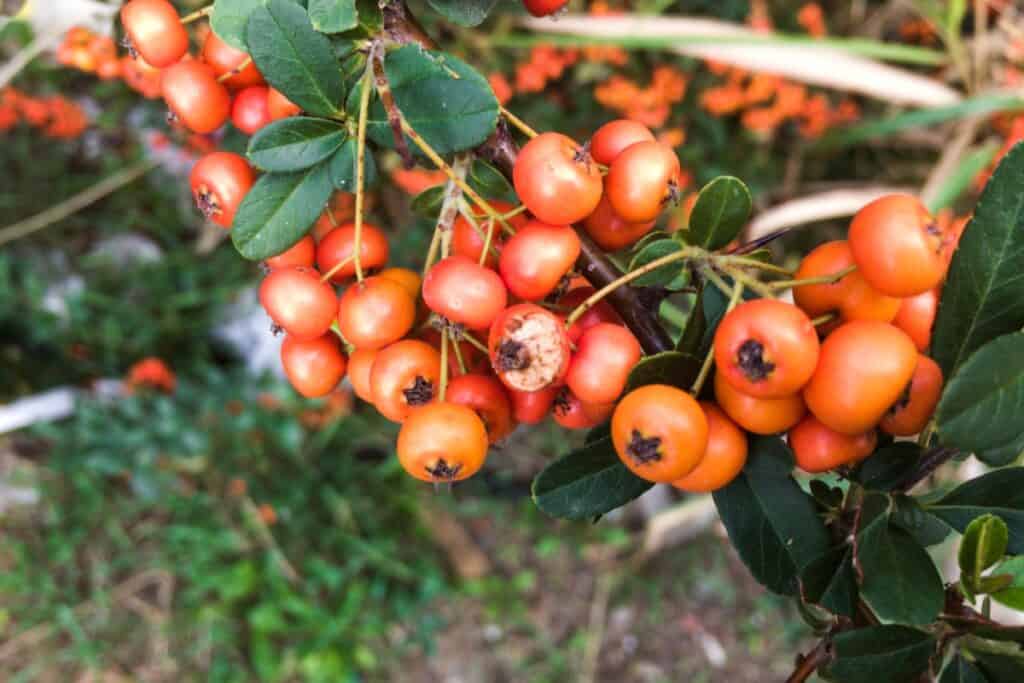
pixel 171 511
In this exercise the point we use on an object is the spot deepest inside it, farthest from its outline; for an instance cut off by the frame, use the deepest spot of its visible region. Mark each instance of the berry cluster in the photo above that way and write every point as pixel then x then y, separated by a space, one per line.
pixel 55 116
pixel 500 330
pixel 833 385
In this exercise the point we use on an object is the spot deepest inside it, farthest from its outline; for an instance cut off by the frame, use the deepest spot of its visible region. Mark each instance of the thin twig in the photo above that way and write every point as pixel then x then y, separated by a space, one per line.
pixel 76 203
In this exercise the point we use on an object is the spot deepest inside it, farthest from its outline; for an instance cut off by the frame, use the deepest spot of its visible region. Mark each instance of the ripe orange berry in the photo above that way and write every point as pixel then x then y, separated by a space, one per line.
pixel 556 179
pixel 223 58
pixel 916 317
pixel 299 255
pixel 194 96
pixel 659 432
pixel 820 449
pixel 759 415
pixel 605 355
pixel 409 279
pixel 898 246
pixel 640 181
pixel 572 413
pixel 766 348
pixel 724 457
pixel 851 297
pixel 534 261
pixel 299 302
pixel 375 312
pixel 863 369
pixel 530 407
pixel 155 31
pixel 442 442
pixel 911 412
pixel 613 137
pixel 360 364
pixel 609 229
pixel 315 366
pixel 405 375
pixel 339 245
pixel 464 292
pixel 485 395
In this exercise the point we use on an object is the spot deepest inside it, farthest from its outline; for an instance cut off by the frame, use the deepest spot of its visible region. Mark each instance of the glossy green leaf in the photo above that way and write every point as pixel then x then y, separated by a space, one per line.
pixel 1000 668
pixel 488 181
pixel 926 529
pixel 771 521
pixel 983 297
pixel 959 670
pixel 463 12
pixel 888 466
pixel 278 211
pixel 983 544
pixel 1011 595
pixel 428 203
pixel 444 99
pixel 722 209
pixel 881 654
pixel 714 302
pixel 295 58
pixel 671 276
pixel 230 18
pixel 343 167
pixel 982 406
pixel 900 581
pixel 295 143
pixel 333 16
pixel 1000 493
pixel 669 367
pixel 829 582
pixel 693 334
pixel 586 483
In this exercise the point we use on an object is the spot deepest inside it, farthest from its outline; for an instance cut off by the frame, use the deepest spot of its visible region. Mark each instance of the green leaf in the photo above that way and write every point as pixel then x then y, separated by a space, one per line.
pixel 982 406
pixel 829 581
pixel 1011 595
pixel 295 143
pixel 428 203
pixel 463 12
pixel 278 211
pixel 983 544
pixel 671 276
pixel 772 523
pixel 1000 493
pixel 295 58
pixel 959 670
pixel 343 167
pixel 722 209
pixel 586 483
pixel 488 181
pixel 888 466
pixel 1000 668
pixel 881 654
pixel 926 529
pixel 714 302
pixel 983 297
pixel 900 581
pixel 230 18
pixel 444 100
pixel 669 367
pixel 693 334
pixel 333 16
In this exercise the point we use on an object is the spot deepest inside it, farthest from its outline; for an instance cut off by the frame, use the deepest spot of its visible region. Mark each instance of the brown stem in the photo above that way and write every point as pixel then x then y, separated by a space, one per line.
pixel 383 87
pixel 592 264
pixel 928 463
pixel 401 27
pixel 812 661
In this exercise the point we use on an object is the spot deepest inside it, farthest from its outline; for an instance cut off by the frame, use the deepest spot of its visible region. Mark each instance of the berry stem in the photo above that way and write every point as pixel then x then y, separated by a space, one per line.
pixel 748 262
pixel 750 282
pixel 466 211
pixel 593 299
pixel 523 127
pixel 334 269
pixel 443 166
pixel 74 204
pixel 709 359
pixel 197 15
pixel 823 280
pixel 364 110
pixel 234 72
pixel 458 355
pixel 476 343
pixel 444 366
pixel 822 319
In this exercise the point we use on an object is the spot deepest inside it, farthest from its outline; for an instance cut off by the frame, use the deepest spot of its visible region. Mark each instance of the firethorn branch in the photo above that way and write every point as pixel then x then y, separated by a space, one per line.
pixel 364 110
pixel 443 166
pixel 242 66
pixel 444 366
pixel 593 299
pixel 709 359
pixel 823 280
pixel 197 15
pixel 523 127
